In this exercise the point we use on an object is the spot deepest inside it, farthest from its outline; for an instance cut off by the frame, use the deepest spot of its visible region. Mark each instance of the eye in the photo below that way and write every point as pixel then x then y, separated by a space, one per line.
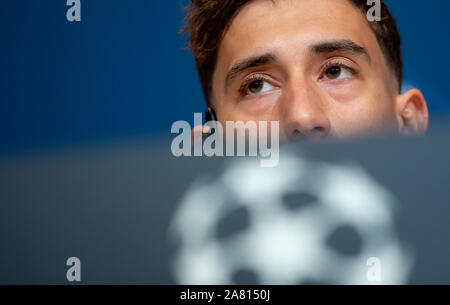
pixel 337 73
pixel 258 87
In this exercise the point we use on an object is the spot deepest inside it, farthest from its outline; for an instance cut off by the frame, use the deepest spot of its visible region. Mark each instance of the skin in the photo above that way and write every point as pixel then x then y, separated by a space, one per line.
pixel 313 93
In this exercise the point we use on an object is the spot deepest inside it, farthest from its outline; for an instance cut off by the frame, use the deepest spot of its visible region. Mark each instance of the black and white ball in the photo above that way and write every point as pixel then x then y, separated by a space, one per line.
pixel 299 223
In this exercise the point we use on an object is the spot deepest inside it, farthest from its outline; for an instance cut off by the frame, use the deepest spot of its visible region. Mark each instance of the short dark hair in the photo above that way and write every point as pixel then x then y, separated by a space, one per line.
pixel 207 21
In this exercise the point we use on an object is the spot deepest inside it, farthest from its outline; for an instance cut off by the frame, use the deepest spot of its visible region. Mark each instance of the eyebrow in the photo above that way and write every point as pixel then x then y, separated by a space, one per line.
pixel 340 46
pixel 248 63
pixel 320 48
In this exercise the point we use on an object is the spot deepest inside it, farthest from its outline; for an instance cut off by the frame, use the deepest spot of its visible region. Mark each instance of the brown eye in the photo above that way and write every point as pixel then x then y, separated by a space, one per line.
pixel 333 72
pixel 256 86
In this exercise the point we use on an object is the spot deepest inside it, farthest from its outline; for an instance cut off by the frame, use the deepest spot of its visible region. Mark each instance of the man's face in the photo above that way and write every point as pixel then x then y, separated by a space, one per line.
pixel 313 65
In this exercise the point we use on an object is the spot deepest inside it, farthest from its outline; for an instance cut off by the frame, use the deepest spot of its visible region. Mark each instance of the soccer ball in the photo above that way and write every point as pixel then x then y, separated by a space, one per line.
pixel 299 223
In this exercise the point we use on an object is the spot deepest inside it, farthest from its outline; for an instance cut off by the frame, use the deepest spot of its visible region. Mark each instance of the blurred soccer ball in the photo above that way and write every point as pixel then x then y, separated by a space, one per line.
pixel 301 222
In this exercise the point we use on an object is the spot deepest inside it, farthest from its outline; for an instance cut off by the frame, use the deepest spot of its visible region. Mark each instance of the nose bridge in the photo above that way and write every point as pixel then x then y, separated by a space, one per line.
pixel 305 110
pixel 302 101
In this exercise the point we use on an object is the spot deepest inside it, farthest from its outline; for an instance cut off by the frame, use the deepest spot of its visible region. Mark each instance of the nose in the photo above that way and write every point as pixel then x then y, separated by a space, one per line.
pixel 306 115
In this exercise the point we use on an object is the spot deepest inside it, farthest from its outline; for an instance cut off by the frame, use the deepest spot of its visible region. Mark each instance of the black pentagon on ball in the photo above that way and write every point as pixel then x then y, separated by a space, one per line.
pixel 345 240
pixel 235 222
pixel 245 277
pixel 295 201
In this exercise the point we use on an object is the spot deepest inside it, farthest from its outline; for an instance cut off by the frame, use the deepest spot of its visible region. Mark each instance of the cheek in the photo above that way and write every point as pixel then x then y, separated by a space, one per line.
pixel 362 116
pixel 358 108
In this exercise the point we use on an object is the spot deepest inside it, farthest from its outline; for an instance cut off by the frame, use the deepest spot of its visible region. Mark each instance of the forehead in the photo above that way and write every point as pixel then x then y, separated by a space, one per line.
pixel 290 26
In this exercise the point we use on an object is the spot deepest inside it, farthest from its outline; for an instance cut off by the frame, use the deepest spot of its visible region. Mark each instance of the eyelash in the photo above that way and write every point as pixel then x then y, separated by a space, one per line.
pixel 336 63
pixel 249 80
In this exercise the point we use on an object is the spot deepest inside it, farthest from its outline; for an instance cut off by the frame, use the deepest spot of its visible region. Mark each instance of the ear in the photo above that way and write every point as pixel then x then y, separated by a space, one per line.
pixel 412 113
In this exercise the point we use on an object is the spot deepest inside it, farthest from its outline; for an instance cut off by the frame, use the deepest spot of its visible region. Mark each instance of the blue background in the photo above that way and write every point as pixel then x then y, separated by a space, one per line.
pixel 123 71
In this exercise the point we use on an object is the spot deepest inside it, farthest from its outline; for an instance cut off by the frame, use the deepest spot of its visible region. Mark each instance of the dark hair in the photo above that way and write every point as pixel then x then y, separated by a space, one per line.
pixel 207 21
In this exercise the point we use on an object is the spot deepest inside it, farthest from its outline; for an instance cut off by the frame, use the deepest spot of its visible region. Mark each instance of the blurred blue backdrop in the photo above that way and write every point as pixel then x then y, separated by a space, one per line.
pixel 123 71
